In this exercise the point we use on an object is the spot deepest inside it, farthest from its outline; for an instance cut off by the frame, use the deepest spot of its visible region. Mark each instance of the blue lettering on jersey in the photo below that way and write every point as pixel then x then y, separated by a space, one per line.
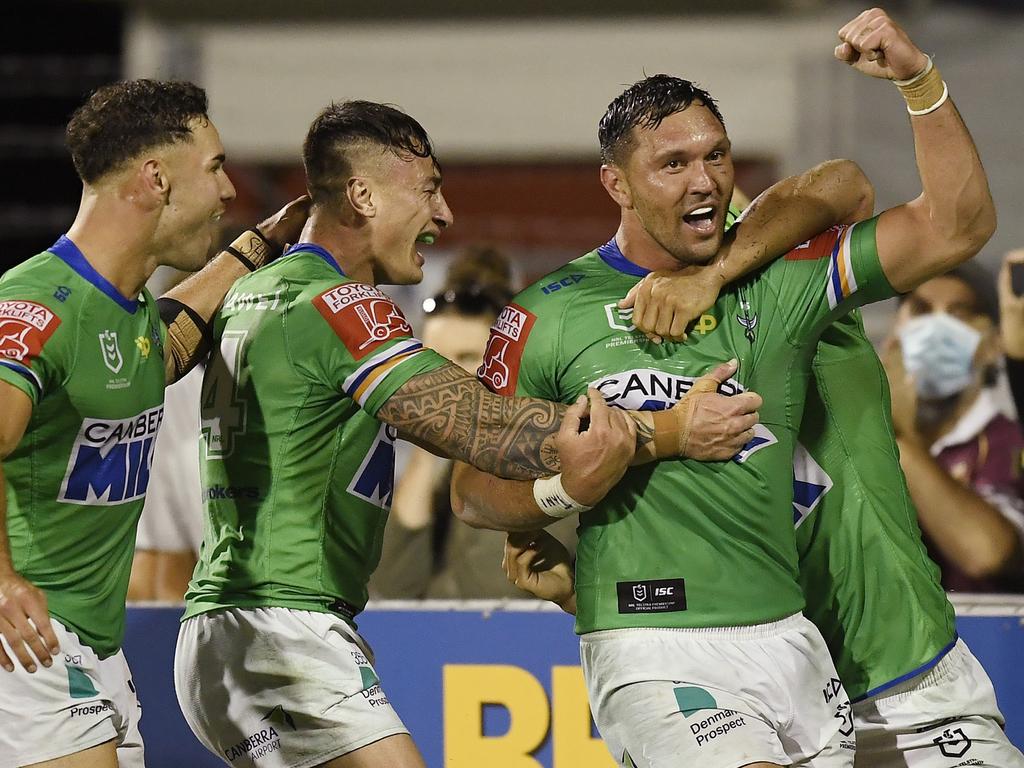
pixel 565 282
pixel 375 480
pixel 110 460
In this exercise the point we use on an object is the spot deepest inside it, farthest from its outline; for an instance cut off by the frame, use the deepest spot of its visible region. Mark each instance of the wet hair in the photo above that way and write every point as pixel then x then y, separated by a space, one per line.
pixel 121 121
pixel 343 129
pixel 479 282
pixel 644 105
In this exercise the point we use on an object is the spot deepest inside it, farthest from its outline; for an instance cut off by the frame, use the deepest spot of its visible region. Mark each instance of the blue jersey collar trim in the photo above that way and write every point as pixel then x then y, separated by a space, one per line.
pixel 612 256
pixel 69 253
pixel 320 251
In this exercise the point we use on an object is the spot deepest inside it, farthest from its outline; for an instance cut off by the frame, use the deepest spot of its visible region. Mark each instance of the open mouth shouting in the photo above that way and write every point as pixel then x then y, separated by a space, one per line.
pixel 703 220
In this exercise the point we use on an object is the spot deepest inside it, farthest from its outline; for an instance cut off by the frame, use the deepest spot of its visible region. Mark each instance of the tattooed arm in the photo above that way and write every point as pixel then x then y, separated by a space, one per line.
pixel 705 426
pixel 450 413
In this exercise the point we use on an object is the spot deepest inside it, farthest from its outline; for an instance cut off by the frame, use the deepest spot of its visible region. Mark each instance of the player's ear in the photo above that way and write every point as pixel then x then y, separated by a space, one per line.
pixel 615 184
pixel 151 184
pixel 360 196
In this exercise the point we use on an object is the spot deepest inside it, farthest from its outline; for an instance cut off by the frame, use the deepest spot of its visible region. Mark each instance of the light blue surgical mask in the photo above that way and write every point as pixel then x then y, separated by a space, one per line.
pixel 938 351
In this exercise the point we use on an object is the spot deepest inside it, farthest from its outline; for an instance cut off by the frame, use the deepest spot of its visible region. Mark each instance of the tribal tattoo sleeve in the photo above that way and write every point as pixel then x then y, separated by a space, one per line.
pixel 452 412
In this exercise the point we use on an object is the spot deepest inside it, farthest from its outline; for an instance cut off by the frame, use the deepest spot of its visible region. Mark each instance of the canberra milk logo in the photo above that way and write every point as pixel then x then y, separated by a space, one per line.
pixel 810 484
pixel 375 480
pixel 110 460
pixel 646 389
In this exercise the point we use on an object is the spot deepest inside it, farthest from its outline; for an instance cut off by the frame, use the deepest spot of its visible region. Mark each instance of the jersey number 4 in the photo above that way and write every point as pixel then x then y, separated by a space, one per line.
pixel 222 410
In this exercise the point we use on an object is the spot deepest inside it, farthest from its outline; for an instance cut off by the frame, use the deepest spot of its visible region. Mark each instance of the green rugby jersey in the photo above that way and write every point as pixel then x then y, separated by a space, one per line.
pixel 683 543
pixel 92 362
pixel 869 584
pixel 297 472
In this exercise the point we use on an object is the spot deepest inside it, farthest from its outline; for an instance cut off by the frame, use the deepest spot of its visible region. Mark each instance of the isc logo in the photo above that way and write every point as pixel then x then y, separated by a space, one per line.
pixel 664 591
pixel 110 459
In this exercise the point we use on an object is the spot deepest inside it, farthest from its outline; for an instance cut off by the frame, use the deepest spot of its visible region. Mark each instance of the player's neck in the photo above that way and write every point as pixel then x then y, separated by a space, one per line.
pixel 347 244
pixel 639 247
pixel 116 241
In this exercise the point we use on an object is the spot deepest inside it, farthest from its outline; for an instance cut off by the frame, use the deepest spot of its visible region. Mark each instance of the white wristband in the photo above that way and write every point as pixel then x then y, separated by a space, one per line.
pixel 553 500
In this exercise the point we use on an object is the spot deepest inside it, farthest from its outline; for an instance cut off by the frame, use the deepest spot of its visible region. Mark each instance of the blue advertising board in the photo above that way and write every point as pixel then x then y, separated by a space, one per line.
pixel 480 685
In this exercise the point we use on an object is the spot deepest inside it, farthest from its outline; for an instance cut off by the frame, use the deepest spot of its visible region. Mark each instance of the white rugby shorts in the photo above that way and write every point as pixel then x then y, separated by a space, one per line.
pixel 79 702
pixel 718 697
pixel 278 687
pixel 942 718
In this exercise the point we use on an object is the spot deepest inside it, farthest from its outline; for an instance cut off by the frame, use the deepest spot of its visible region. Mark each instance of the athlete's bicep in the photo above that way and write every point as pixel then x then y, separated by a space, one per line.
pixel 910 249
pixel 16 407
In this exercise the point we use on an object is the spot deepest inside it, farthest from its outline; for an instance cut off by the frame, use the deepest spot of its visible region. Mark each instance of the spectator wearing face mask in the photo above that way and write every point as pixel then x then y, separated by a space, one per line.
pixel 961 455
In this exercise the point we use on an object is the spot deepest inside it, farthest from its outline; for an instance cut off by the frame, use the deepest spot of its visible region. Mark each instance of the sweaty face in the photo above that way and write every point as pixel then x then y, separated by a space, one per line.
pixel 199 193
pixel 409 205
pixel 680 177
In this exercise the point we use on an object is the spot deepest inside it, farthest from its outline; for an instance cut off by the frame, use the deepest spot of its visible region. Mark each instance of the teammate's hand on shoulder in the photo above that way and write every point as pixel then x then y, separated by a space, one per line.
pixel 594 456
pixel 718 425
pixel 286 225
pixel 25 623
pixel 1011 308
pixel 537 562
pixel 877 46
pixel 666 303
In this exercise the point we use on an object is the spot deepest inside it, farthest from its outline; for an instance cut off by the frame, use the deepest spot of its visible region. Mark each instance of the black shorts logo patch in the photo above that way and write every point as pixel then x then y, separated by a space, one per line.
pixel 657 596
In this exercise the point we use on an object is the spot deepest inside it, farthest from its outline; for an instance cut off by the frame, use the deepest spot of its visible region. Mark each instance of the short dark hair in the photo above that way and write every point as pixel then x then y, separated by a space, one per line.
pixel 341 128
pixel 981 283
pixel 120 121
pixel 644 105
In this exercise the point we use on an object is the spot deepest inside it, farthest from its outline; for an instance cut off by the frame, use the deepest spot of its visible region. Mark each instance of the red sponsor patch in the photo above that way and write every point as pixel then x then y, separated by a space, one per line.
pixel 818 247
pixel 500 369
pixel 25 327
pixel 362 316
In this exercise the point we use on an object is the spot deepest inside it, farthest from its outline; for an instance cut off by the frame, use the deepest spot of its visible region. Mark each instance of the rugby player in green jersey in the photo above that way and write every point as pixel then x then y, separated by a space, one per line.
pixel 85 354
pixel 687 590
pixel 316 373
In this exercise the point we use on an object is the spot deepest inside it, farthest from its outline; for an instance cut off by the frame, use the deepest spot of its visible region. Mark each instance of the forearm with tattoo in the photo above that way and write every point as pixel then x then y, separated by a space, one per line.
pixel 452 412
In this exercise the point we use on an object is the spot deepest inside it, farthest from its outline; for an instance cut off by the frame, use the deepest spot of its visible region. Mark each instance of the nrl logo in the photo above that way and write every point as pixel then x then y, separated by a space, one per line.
pixel 640 592
pixel 618 318
pixel 111 352
pixel 953 743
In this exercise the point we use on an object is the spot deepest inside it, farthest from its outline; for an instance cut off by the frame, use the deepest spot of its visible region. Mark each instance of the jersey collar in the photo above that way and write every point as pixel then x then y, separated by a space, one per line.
pixel 323 253
pixel 69 253
pixel 612 256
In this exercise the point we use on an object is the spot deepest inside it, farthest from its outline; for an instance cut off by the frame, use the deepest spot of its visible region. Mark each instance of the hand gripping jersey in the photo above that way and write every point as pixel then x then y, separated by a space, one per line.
pixel 92 362
pixel 867 579
pixel 297 472
pixel 683 543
